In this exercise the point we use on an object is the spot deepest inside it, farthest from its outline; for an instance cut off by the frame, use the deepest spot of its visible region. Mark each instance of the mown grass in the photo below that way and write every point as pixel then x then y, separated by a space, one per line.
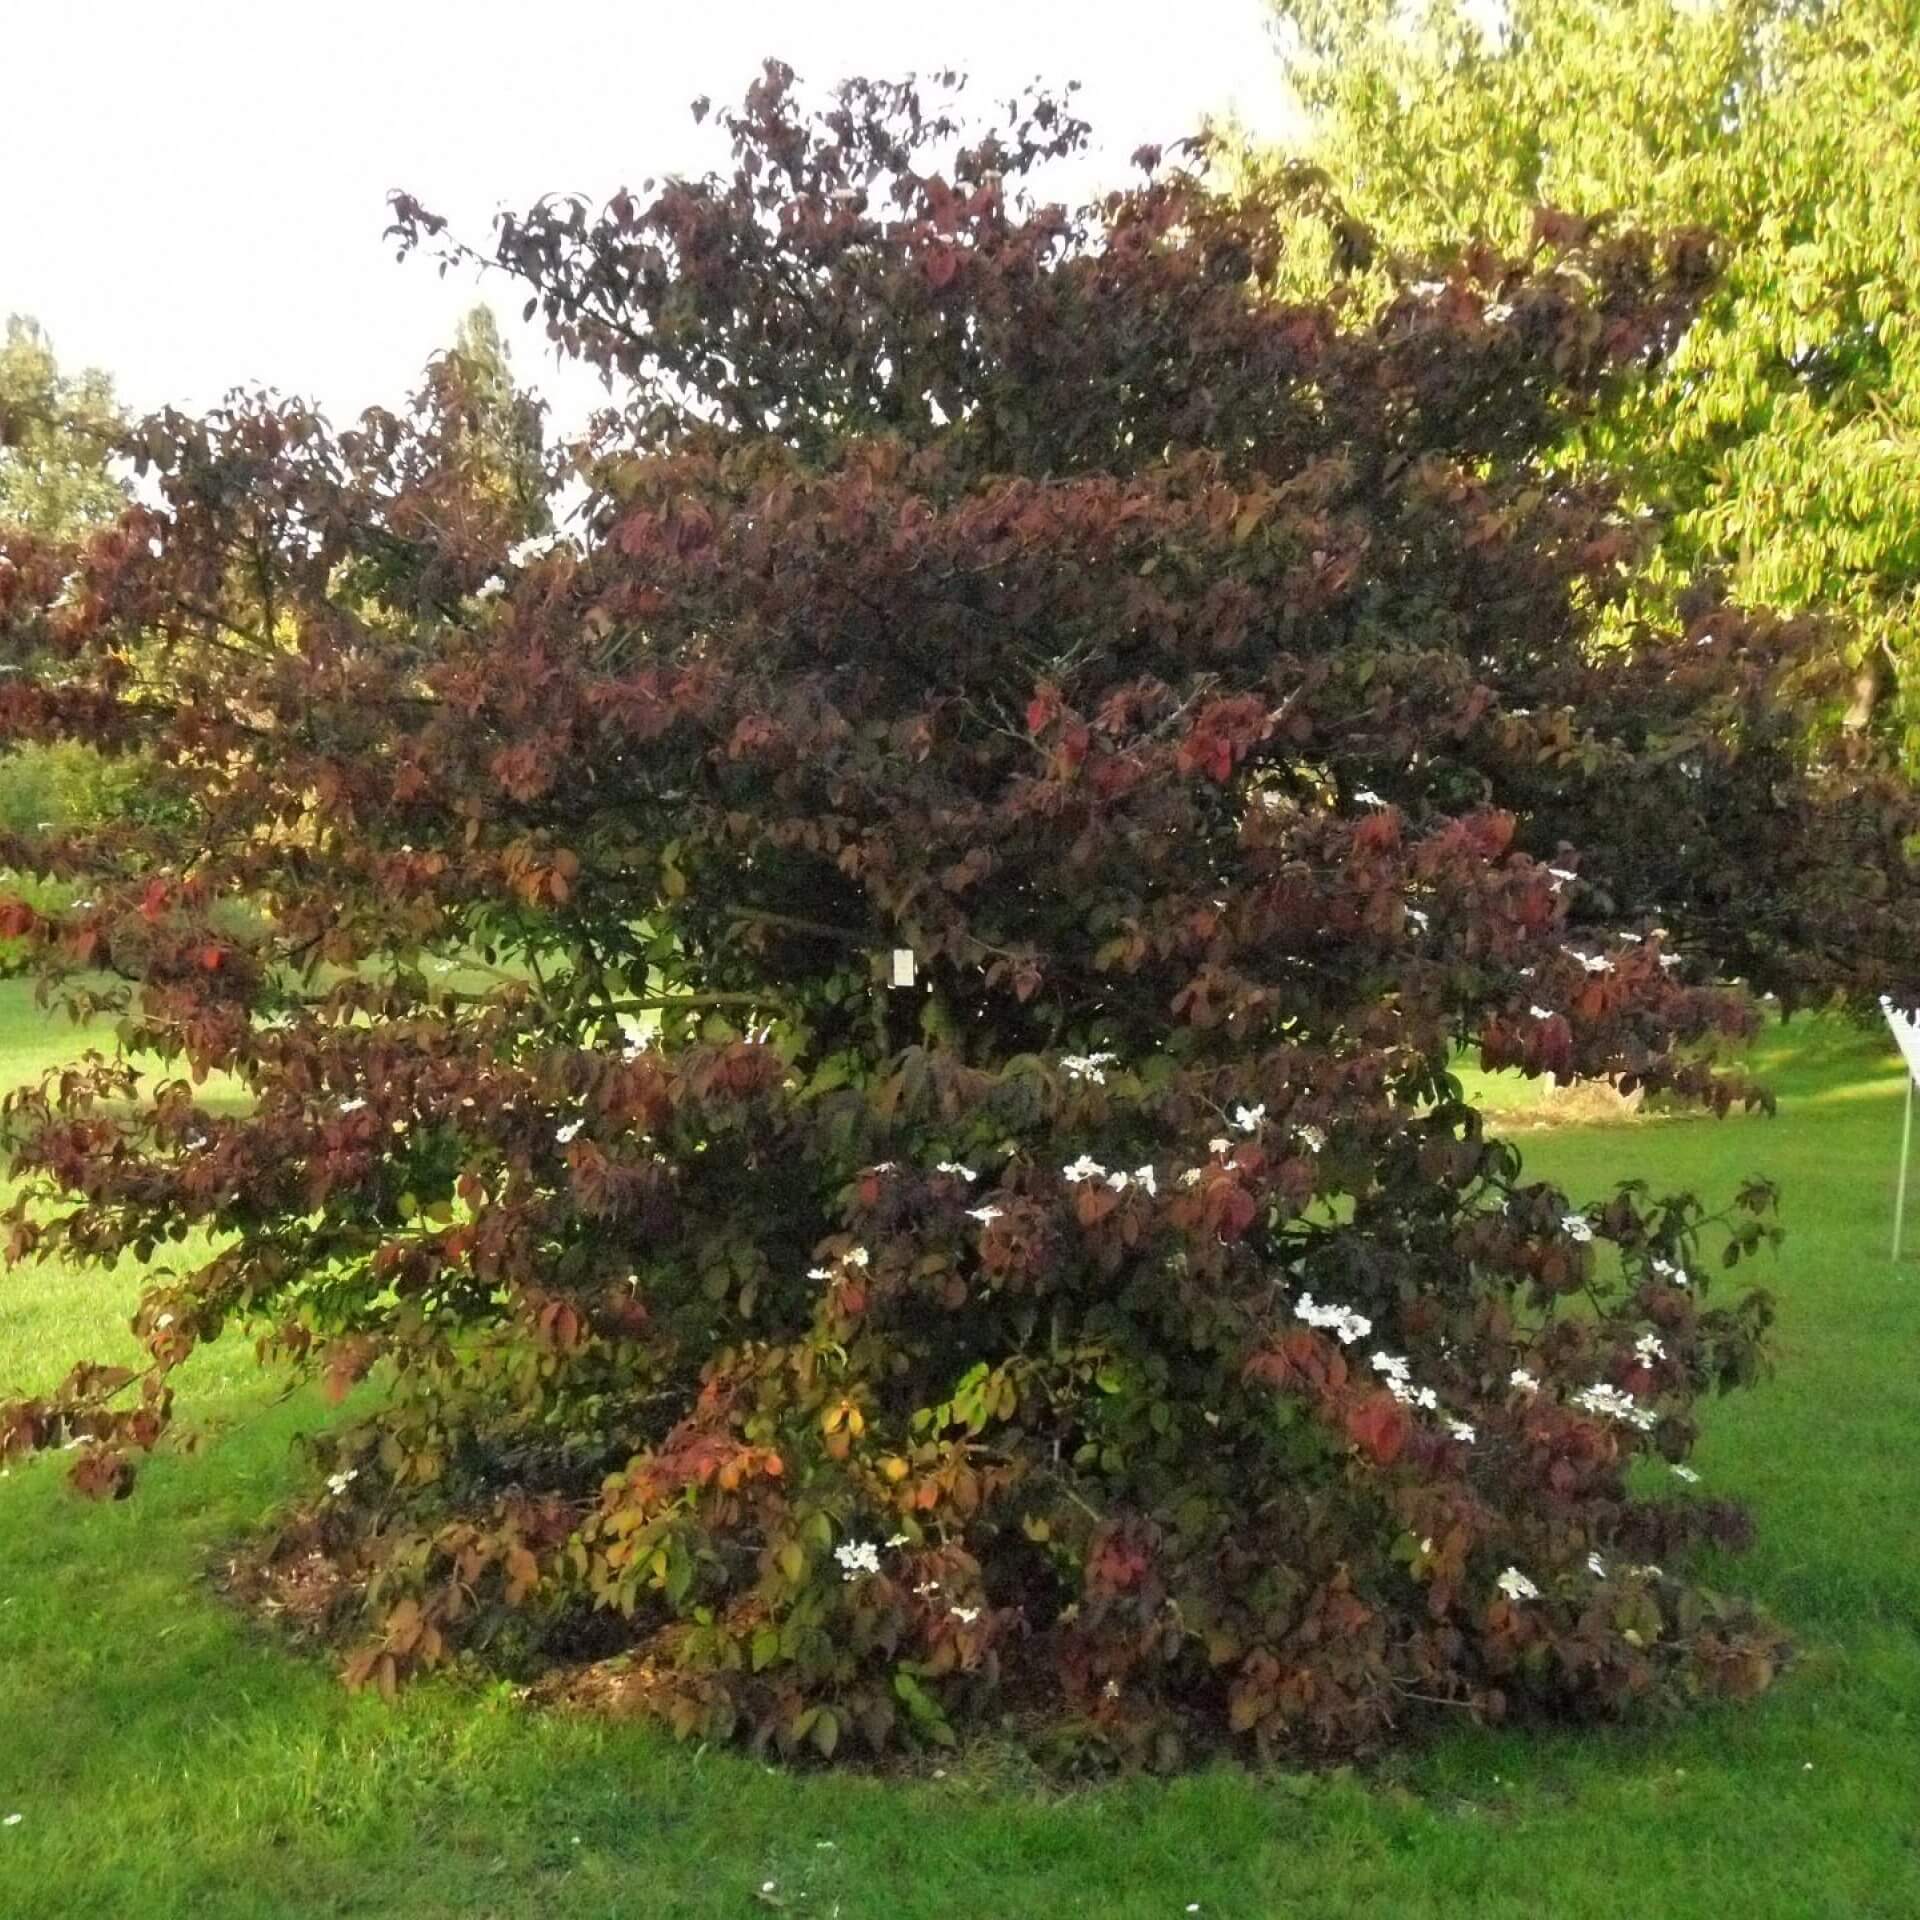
pixel 167 1758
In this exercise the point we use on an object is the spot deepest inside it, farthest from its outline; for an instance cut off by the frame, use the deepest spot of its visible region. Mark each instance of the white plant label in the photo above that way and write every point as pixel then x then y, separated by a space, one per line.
pixel 1906 1034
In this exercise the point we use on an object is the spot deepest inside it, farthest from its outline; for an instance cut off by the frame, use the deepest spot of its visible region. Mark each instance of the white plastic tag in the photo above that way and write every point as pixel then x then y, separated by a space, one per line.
pixel 903 966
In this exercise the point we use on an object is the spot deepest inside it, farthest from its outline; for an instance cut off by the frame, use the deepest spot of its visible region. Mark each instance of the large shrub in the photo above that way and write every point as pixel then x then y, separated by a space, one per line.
pixel 863 1050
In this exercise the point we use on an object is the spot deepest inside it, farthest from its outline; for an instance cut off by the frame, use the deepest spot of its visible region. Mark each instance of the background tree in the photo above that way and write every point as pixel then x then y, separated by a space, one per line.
pixel 58 434
pixel 495 451
pixel 867 1048
pixel 1779 443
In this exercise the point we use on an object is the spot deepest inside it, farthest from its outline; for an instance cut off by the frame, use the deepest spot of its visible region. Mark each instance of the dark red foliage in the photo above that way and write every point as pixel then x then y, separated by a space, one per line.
pixel 1203 699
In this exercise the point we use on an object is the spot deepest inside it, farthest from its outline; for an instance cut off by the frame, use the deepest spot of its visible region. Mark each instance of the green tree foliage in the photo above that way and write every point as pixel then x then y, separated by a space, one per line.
pixel 57 433
pixel 495 457
pixel 862 1049
pixel 1780 443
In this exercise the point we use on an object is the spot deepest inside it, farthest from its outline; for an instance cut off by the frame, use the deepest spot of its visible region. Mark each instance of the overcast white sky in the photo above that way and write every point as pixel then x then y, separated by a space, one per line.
pixel 196 189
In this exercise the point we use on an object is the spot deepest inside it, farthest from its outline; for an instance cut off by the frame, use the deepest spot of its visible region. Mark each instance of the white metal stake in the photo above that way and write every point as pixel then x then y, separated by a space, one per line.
pixel 1900 1192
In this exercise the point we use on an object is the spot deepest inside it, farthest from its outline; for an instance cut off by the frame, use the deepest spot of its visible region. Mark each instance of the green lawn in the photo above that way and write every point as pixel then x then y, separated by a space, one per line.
pixel 168 1759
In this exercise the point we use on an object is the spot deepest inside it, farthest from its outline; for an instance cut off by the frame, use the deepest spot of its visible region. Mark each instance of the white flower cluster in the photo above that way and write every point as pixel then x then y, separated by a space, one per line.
pixel 1311 1138
pixel 965 1615
pixel 1672 1275
pixel 1342 1322
pixel 567 1134
pixel 1516 1586
pixel 534 547
pixel 1594 962
pixel 1603 1398
pixel 338 1483
pixel 857 1557
pixel 1394 1367
pixel 1089 1066
pixel 1649 1349
pixel 1417 920
pixel 853 1257
pixel 1596 1566
pixel 957 1170
pixel 1088 1168
pixel 986 1215
pixel 1522 1379
pixel 1541 1013
pixel 1250 1119
pixel 1576 1226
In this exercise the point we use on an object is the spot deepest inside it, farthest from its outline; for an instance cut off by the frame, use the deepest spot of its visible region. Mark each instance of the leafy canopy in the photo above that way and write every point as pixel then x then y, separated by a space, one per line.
pixel 57 433
pixel 496 460
pixel 1779 436
pixel 863 1043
